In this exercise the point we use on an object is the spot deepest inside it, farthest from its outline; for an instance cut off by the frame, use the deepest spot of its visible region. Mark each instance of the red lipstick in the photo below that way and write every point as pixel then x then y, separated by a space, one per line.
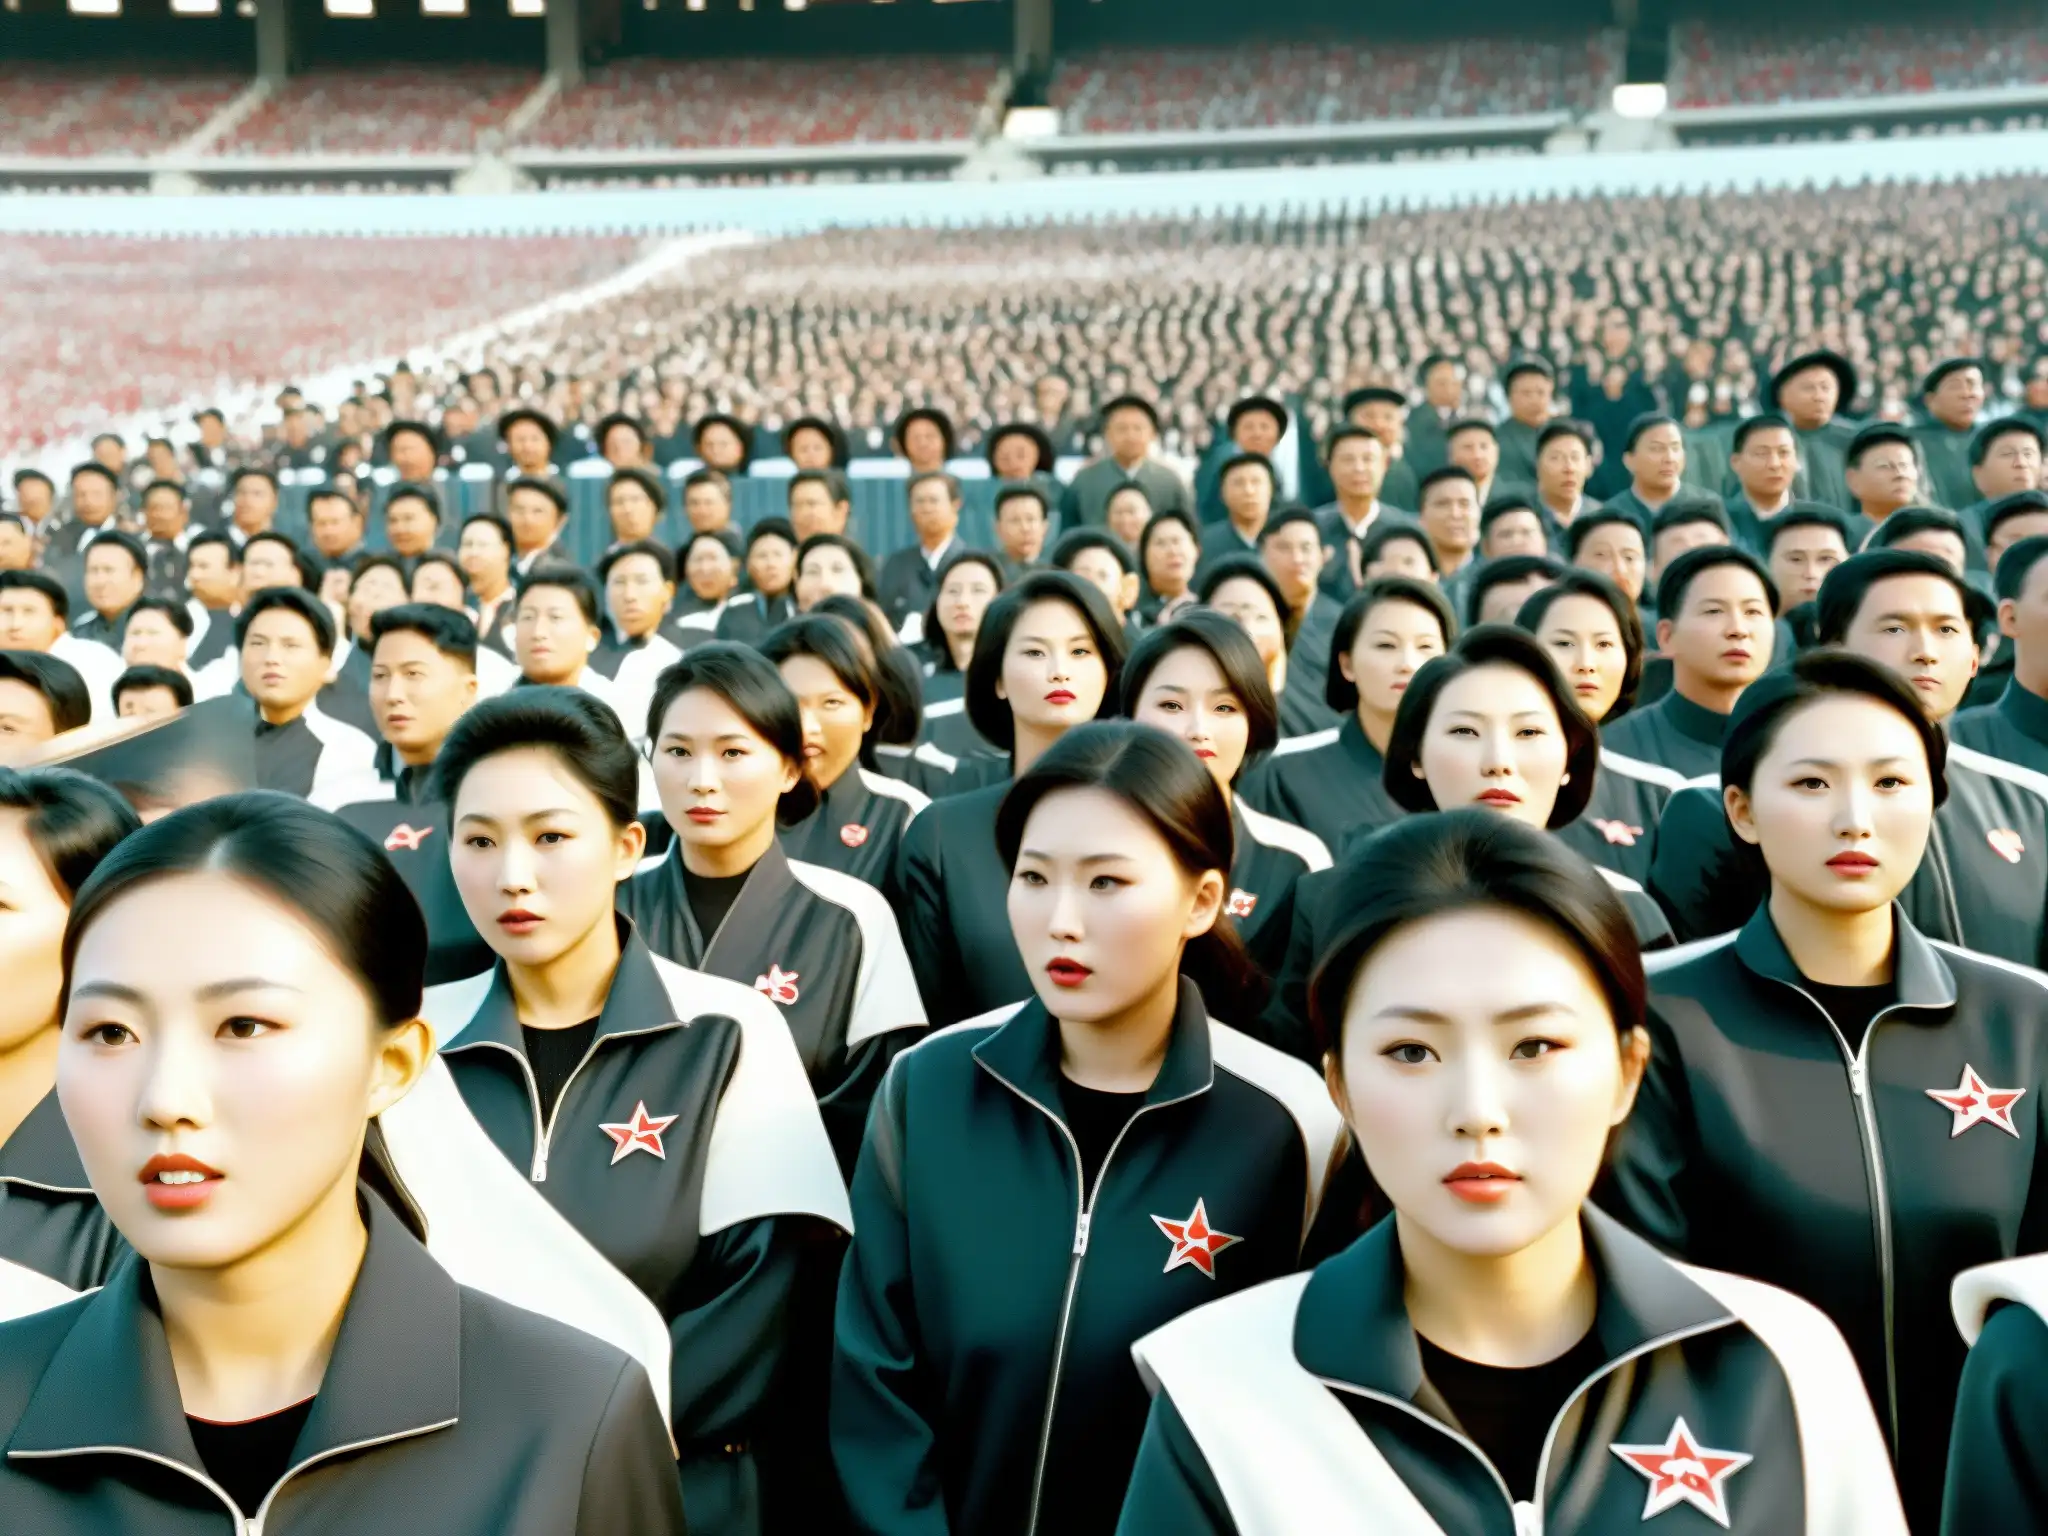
pixel 178 1182
pixel 1481 1183
pixel 1067 973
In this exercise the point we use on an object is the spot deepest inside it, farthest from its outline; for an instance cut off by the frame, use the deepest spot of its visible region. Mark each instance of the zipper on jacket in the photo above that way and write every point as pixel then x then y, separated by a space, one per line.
pixel 1085 1198
pixel 1880 1199
pixel 544 1134
pixel 253 1526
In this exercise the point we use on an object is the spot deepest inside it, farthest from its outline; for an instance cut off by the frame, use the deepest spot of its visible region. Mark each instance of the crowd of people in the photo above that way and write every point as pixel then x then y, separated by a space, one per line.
pixel 1726 62
pixel 416 110
pixel 1470 958
pixel 130 111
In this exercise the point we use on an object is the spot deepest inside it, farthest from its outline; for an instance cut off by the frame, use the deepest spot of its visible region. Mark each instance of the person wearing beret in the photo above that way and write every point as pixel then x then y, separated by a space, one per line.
pixel 1130 431
pixel 1383 412
pixel 622 441
pixel 1531 386
pixel 1813 391
pixel 812 442
pixel 1255 424
pixel 925 437
pixel 1022 453
pixel 529 437
pixel 723 442
pixel 1952 395
pixel 413 450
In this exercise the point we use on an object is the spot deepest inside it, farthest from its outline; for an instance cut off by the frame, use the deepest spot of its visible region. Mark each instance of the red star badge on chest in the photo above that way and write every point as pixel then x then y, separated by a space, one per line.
pixel 1973 1103
pixel 779 986
pixel 642 1133
pixel 853 834
pixel 405 839
pixel 1682 1471
pixel 1241 903
pixel 1618 833
pixel 1194 1241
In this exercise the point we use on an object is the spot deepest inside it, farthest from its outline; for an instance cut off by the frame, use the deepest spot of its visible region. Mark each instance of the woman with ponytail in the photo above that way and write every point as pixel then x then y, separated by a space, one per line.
pixel 1040 1186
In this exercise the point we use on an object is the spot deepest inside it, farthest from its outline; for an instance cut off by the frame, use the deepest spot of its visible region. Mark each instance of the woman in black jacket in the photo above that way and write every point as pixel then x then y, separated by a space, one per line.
pixel 1835 1103
pixel 1039 1187
pixel 1046 660
pixel 281 1353
pixel 1498 1356
pixel 1199 677
pixel 967 583
pixel 55 827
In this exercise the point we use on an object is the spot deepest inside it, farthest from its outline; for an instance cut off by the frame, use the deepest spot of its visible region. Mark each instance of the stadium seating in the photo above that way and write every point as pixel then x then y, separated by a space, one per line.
pixel 45 111
pixel 672 104
pixel 394 110
pixel 1743 63
pixel 1156 90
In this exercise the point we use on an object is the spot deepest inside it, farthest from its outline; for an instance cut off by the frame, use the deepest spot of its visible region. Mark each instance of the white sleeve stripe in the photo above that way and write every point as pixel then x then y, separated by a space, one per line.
pixel 1290 745
pixel 1665 959
pixel 2023 1280
pixel 2010 967
pixel 895 789
pixel 1275 833
pixel 1998 768
pixel 1636 768
pixel 1618 880
pixel 1298 1090
pixel 885 992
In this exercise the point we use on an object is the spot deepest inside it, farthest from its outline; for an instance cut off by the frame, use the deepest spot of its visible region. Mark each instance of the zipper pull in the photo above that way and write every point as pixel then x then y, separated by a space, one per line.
pixel 1081 1235
pixel 1528 1519
pixel 1856 1082
pixel 540 1161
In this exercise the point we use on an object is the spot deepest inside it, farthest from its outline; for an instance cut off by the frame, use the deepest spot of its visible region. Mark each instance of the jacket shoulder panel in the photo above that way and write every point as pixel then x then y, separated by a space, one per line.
pixel 895 789
pixel 1665 961
pixel 1275 833
pixel 885 991
pixel 1973 1292
pixel 1291 746
pixel 1296 1089
pixel 1637 768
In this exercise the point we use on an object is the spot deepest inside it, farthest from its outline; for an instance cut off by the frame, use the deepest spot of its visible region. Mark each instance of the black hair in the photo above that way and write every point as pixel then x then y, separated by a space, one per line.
pixel 989 714
pixel 292 600
pixel 1236 658
pixel 2004 426
pixel 338 882
pixel 363 565
pixel 934 632
pixel 834 482
pixel 2006 508
pixel 2017 564
pixel 899 718
pixel 178 486
pixel 827 638
pixel 950 481
pixel 1441 475
pixel 1677 513
pixel 1467 424
pixel 497 522
pixel 1506 570
pixel 309 577
pixel 1679 576
pixel 59 683
pixel 1242 461
pixel 1075 540
pixel 1287 517
pixel 748 681
pixel 663 557
pixel 1247 568
pixel 1024 490
pixel 1763 422
pixel 1165 783
pixel 577 728
pixel 1159 520
pixel 1507 505
pixel 717 479
pixel 1869 436
pixel 451 633
pixel 1337 436
pixel 74 821
pixel 206 536
pixel 139 679
pixel 545 487
pixel 440 557
pixel 1339 691
pixel 1131 488
pixel 127 543
pixel 1374 544
pixel 1583 583
pixel 410 490
pixel 1806 514
pixel 863 564
pixel 649 482
pixel 41 581
pixel 1564 426
pixel 178 615
pixel 1908 521
pixel 1846 586
pixel 1581 528
pixel 564 577
pixel 771 528
pixel 1431 866
pixel 1644 423
pixel 1490 645
pixel 332 491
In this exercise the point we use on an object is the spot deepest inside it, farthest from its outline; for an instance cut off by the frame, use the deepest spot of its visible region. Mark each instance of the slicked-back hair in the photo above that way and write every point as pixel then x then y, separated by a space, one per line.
pixel 451 633
pixel 578 729
pixel 989 714
pixel 292 600
pixel 1339 691
pixel 1236 658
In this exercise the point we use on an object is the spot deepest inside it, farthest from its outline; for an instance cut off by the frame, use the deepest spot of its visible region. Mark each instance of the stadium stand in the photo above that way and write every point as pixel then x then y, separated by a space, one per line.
pixel 1726 63
pixel 395 110
pixel 76 112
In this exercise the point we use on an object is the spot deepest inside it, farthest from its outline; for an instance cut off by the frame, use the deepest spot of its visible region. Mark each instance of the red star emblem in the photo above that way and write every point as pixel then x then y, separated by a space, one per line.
pixel 1194 1241
pixel 1682 1471
pixel 2006 844
pixel 1619 834
pixel 853 834
pixel 1241 903
pixel 778 985
pixel 1973 1103
pixel 403 838
pixel 642 1133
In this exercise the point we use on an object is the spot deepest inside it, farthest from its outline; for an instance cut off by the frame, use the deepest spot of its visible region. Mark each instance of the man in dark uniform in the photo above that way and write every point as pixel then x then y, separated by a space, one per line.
pixel 1023 514
pixel 910 577
pixel 1765 463
pixel 252 503
pixel 116 574
pixel 529 437
pixel 95 497
pixel 213 575
pixel 1429 425
pixel 622 441
pixel 286 638
pixel 1356 458
pixel 414 451
pixel 412 521
pixel 723 442
pixel 1383 412
pixel 2005 459
pixel 35 496
pixel 536 511
pixel 1249 489
pixel 1255 424
pixel 1474 446
pixel 1564 464
pixel 1449 516
pixel 926 438
pixel 1811 391
pixel 167 534
pixel 1952 394
pixel 767 599
pixel 1019 452
pixel 819 501
pixel 1130 428
pixel 2015 726
pixel 1531 385
pixel 335 522
pixel 1653 453
pixel 1882 472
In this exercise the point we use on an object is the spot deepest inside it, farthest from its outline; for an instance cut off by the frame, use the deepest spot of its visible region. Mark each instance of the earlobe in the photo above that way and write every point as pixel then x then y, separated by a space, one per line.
pixel 632 847
pixel 1736 804
pixel 1333 1080
pixel 1635 1061
pixel 402 1056
pixel 1207 905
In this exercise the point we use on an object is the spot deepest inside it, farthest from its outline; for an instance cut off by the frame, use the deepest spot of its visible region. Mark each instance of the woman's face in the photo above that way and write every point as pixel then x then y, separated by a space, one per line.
pixel 1584 637
pixel 1054 676
pixel 1840 805
pixel 718 778
pixel 1101 570
pixel 32 913
pixel 435 583
pixel 964 597
pixel 1187 696
pixel 1250 606
pixel 1494 741
pixel 827 570
pixel 1099 906
pixel 1394 640
pixel 240 1050
pixel 1482 1095
pixel 1127 514
pixel 768 564
pixel 710 570
pixel 835 720
pixel 1170 559
pixel 483 553
pixel 535 855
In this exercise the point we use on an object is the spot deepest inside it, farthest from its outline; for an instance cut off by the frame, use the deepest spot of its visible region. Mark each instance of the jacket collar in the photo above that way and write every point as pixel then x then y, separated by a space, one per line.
pixel 848 798
pixel 1703 725
pixel 766 887
pixel 395 1370
pixel 1921 976
pixel 1025 1053
pixel 1352 1325
pixel 637 996
pixel 1351 739
pixel 2026 710
pixel 41 1151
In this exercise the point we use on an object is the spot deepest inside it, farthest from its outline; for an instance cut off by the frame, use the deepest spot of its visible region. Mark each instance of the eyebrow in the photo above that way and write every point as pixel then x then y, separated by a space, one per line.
pixel 530 816
pixel 1520 1014
pixel 127 994
pixel 1828 762
pixel 685 736
pixel 1090 858
pixel 1080 635
pixel 1906 614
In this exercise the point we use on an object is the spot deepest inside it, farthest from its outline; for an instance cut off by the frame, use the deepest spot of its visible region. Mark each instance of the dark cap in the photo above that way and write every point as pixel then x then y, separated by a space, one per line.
pixel 1944 368
pixel 932 414
pixel 1834 362
pixel 418 429
pixel 538 418
pixel 1040 439
pixel 546 485
pixel 738 428
pixel 619 419
pixel 1373 393
pixel 95 467
pixel 830 431
pixel 1251 403
pixel 1129 402
pixel 1527 364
